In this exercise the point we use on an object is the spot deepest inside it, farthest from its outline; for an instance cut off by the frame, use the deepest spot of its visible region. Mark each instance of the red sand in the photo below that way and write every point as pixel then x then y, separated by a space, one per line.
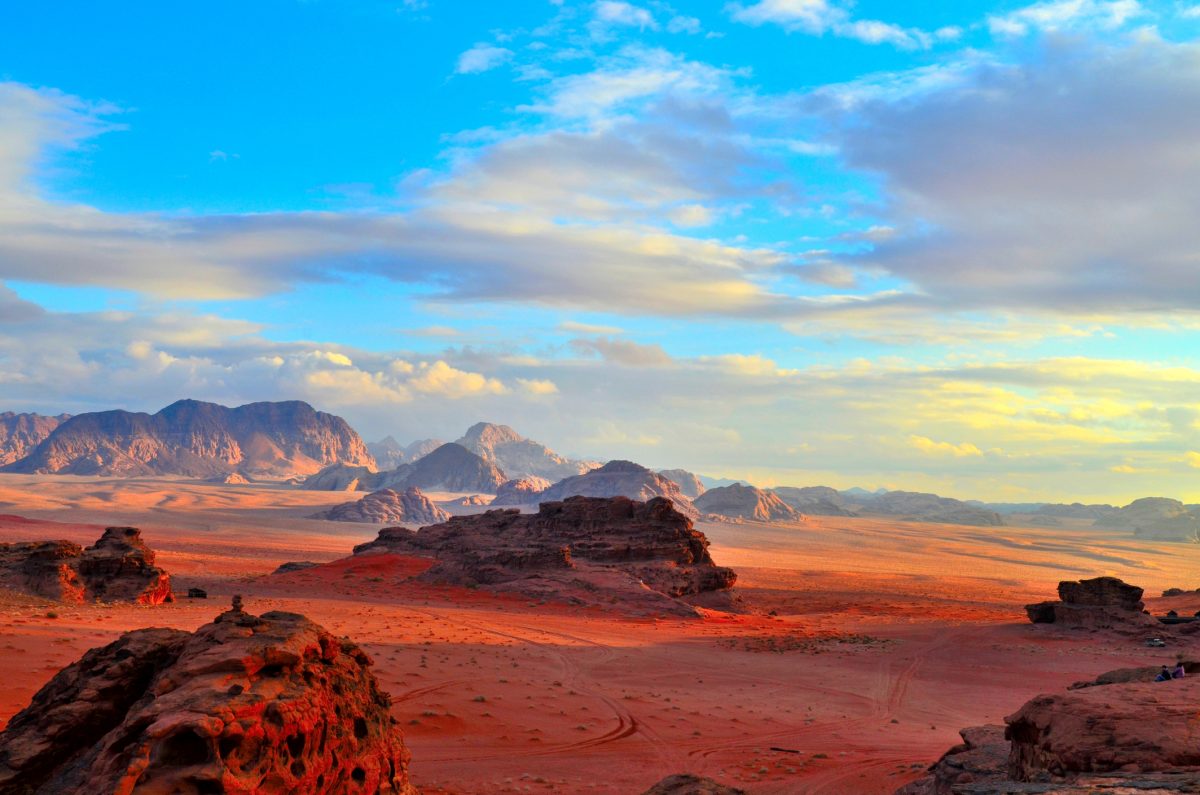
pixel 888 638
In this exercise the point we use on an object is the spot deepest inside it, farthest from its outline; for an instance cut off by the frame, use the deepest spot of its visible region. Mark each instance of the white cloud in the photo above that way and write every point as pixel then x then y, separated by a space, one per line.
pixel 819 17
pixel 482 58
pixel 615 12
pixel 1061 14
pixel 683 24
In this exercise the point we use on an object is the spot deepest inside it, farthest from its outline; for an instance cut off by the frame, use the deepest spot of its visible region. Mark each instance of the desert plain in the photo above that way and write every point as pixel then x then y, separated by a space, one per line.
pixel 861 648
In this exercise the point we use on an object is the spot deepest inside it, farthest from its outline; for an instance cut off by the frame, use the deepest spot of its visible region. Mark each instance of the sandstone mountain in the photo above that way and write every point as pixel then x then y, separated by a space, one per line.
pixel 263 440
pixel 450 467
pixel 20 433
pixel 1156 517
pixel 620 479
pixel 916 506
pixel 387 506
pixel 525 491
pixel 117 568
pixel 689 484
pixel 816 500
pixel 244 704
pixel 389 454
pixel 585 549
pixel 746 502
pixel 517 456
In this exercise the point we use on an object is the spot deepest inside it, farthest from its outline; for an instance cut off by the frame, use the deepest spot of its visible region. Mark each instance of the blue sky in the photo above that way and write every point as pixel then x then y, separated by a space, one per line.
pixel 947 246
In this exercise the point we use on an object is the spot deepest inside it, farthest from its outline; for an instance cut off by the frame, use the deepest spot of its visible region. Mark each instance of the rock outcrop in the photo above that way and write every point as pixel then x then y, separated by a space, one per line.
pixel 117 568
pixel 816 500
pixel 517 456
pixel 264 440
pixel 1099 603
pixel 382 507
pixel 244 704
pixel 687 784
pixel 620 479
pixel 20 433
pixel 450 467
pixel 746 502
pixel 526 491
pixel 689 484
pixel 470 501
pixel 602 549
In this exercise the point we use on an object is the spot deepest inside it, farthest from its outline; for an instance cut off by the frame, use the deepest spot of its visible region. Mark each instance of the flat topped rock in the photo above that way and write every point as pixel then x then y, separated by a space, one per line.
pixel 270 703
pixel 1101 592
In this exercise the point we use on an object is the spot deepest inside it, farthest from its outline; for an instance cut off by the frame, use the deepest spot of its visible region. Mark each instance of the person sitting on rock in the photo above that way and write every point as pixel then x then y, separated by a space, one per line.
pixel 1164 675
pixel 1179 671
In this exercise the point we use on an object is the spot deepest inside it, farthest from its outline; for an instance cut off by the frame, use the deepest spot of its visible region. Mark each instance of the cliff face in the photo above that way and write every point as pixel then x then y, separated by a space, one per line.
pixel 244 704
pixel 191 438
pixel 20 433
pixel 517 456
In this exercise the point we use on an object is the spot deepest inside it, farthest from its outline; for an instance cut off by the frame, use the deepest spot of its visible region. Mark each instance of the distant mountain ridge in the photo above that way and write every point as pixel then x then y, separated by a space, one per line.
pixel 197 439
pixel 389 454
pixel 450 467
pixel 20 433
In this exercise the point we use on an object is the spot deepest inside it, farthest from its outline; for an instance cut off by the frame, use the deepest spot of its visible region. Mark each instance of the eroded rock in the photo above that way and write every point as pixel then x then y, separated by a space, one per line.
pixel 245 704
pixel 387 505
pixel 687 784
pixel 1098 603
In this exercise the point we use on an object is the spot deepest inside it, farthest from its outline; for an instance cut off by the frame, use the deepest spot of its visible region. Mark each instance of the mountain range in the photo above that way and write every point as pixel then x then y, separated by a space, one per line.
pixel 519 457
pixel 197 439
pixel 20 433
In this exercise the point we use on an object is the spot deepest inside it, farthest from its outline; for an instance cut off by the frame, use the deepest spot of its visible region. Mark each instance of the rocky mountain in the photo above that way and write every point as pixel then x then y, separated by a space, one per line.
pixel 117 568
pixel 244 704
pixel 584 549
pixel 525 491
pixel 195 439
pixel 689 484
pixel 919 507
pixel 1156 517
pixel 389 454
pixel 746 502
pixel 518 456
pixel 450 467
pixel 816 500
pixel 620 479
pixel 387 506
pixel 20 433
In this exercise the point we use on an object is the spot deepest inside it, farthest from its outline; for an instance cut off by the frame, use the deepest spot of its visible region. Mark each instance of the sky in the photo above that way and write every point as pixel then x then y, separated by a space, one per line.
pixel 946 246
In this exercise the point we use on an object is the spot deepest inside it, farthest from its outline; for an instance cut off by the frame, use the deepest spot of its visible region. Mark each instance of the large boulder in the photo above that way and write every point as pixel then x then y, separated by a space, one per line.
pixel 621 479
pixel 629 550
pixel 688 784
pixel 1098 603
pixel 385 506
pixel 245 704
pixel 117 568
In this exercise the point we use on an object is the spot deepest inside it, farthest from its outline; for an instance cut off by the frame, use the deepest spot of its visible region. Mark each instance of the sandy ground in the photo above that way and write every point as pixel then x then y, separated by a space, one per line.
pixel 887 638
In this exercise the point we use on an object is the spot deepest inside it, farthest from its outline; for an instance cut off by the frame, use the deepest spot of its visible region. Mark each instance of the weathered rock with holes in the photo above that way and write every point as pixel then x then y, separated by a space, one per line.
pixel 246 704
pixel 117 568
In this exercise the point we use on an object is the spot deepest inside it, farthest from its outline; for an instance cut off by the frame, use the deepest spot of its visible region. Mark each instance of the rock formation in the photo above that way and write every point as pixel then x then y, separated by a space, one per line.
pixel 689 484
pixel 264 440
pixel 471 501
pixel 687 784
pixel 117 568
pixel 450 467
pixel 1123 738
pixel 526 491
pixel 746 502
pixel 816 500
pixel 20 433
pixel 382 507
pixel 244 704
pixel 1158 518
pixel 630 551
pixel 343 477
pixel 620 479
pixel 1099 603
pixel 389 454
pixel 517 456
pixel 919 507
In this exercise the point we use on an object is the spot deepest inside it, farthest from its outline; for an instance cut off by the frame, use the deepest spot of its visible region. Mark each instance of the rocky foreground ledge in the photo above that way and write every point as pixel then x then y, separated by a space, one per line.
pixel 117 568
pixel 597 550
pixel 246 704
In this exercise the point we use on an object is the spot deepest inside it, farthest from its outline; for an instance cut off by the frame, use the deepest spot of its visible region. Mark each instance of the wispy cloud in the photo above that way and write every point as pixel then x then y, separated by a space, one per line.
pixel 482 58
